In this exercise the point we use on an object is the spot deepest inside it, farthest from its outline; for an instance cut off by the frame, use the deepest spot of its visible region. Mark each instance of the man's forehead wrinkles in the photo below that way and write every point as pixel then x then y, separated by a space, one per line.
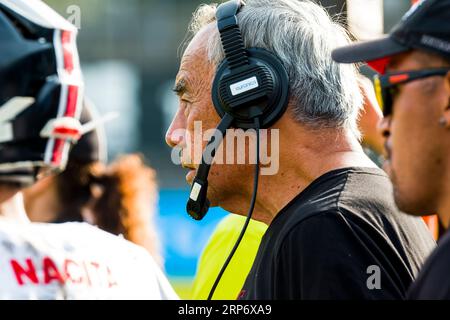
pixel 194 70
pixel 192 58
pixel 186 58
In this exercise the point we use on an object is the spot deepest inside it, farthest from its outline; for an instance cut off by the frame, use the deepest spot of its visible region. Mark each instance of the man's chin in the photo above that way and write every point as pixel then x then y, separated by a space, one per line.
pixel 410 206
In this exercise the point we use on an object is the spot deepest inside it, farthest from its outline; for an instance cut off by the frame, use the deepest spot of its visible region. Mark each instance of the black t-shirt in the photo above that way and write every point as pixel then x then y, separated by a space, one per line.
pixel 340 238
pixel 433 282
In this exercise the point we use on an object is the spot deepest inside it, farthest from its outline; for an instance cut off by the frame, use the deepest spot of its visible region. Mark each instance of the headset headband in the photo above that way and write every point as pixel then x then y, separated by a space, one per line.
pixel 230 34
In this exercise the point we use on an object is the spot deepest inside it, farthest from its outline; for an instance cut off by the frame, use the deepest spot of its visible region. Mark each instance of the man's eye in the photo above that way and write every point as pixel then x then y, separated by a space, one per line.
pixel 184 98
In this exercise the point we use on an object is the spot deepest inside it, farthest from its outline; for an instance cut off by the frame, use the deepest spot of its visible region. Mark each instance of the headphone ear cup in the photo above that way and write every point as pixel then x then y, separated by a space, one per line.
pixel 272 81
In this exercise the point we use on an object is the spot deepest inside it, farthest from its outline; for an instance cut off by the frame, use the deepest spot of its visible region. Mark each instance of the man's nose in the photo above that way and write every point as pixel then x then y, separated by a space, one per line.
pixel 174 134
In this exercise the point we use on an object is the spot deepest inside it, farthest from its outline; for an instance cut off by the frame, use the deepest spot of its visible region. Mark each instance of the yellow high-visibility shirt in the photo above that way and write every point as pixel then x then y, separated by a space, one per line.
pixel 216 252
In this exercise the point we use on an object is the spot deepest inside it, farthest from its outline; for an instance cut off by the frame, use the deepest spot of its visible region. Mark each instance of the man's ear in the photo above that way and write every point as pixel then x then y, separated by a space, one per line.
pixel 446 117
pixel 445 120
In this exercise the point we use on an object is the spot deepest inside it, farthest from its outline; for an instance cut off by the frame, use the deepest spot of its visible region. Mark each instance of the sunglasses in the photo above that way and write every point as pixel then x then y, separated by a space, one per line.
pixel 386 86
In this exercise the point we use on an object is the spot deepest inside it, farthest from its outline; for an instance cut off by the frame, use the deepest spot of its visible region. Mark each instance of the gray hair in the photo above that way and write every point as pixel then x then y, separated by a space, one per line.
pixel 302 35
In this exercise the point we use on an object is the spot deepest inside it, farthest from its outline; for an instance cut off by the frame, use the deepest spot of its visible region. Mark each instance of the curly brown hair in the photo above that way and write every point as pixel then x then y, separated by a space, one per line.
pixel 121 196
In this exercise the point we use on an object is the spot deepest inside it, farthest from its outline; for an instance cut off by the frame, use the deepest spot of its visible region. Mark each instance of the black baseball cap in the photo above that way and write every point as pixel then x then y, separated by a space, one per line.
pixel 426 26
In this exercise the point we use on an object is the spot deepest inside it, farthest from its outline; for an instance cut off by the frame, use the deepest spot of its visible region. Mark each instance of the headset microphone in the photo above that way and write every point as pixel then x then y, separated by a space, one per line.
pixel 198 204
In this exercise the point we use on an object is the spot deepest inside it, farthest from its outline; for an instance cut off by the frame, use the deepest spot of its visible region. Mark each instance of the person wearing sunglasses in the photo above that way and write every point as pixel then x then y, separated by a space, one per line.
pixel 413 88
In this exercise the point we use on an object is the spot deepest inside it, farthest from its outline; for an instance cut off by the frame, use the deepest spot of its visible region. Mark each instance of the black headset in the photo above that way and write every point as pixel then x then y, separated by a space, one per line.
pixel 250 90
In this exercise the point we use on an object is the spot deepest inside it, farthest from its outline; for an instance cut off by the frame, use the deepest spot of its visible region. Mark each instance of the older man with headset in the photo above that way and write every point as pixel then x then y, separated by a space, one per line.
pixel 413 87
pixel 334 231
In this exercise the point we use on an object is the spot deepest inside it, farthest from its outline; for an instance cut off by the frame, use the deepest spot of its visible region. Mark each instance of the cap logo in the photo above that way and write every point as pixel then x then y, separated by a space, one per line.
pixel 435 43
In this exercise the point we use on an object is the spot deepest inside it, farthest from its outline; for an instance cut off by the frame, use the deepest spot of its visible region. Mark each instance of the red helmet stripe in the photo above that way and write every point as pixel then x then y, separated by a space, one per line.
pixel 72 100
pixel 58 151
pixel 66 39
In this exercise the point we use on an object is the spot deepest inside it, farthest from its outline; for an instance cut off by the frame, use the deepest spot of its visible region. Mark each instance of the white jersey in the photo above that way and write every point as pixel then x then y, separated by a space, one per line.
pixel 75 261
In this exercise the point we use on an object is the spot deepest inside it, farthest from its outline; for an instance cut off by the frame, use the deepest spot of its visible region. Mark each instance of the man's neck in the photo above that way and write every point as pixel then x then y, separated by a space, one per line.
pixel 11 205
pixel 443 207
pixel 312 154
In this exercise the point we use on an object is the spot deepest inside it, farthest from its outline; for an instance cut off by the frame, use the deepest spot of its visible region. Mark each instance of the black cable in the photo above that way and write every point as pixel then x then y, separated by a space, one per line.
pixel 249 214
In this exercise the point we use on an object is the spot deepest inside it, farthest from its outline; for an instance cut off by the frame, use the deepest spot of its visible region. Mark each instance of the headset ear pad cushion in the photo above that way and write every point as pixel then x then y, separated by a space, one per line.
pixel 275 89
